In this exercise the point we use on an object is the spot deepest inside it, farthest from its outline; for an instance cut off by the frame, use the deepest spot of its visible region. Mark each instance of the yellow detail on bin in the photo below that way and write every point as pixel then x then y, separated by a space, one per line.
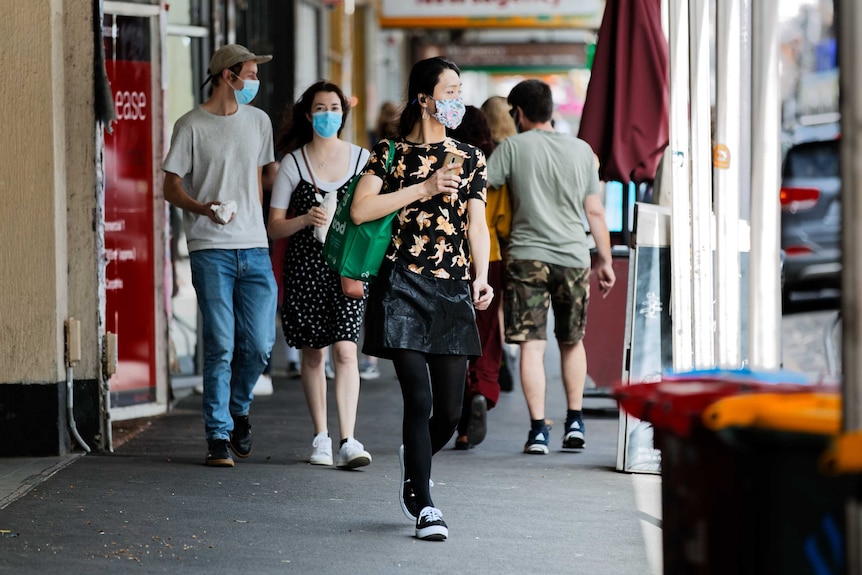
pixel 844 456
pixel 817 413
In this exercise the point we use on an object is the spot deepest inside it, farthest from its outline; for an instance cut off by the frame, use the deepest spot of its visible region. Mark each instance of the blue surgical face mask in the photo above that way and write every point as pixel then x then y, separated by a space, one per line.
pixel 326 124
pixel 248 92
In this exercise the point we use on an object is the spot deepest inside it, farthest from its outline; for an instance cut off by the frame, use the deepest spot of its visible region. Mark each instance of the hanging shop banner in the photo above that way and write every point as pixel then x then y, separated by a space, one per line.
pixel 585 14
pixel 535 56
pixel 130 266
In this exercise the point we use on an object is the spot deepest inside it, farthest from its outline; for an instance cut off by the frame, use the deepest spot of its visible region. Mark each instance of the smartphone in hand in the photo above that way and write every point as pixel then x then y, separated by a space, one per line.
pixel 451 160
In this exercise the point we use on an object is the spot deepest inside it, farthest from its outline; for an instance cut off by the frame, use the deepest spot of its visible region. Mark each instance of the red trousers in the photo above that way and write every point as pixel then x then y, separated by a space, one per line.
pixel 484 372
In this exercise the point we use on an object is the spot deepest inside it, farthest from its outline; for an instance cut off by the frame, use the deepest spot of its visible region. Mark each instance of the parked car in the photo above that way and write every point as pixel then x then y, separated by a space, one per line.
pixel 811 216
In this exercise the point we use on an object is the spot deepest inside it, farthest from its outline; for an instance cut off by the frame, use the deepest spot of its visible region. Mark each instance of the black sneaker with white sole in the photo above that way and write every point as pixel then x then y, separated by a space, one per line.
pixel 405 491
pixel 574 437
pixel 430 525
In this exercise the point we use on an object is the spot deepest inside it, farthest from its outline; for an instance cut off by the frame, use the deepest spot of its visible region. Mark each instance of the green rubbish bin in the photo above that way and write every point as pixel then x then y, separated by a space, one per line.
pixel 743 488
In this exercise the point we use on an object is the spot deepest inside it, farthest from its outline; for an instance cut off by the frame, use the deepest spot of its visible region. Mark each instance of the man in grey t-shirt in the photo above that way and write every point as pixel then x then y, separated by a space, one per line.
pixel 554 186
pixel 213 172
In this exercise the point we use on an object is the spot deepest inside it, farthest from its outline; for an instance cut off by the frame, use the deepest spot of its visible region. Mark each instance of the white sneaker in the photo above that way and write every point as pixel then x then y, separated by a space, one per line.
pixel 322 453
pixel 369 371
pixel 263 386
pixel 352 455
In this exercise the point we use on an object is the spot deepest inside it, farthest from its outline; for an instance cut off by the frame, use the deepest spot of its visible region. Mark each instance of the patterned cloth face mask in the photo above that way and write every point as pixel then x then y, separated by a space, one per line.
pixel 450 112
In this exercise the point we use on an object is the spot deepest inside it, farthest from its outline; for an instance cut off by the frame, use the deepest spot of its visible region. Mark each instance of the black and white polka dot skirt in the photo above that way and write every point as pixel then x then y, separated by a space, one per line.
pixel 315 312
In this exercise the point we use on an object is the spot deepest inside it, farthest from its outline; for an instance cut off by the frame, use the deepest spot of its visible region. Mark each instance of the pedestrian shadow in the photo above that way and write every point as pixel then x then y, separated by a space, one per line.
pixel 603 468
pixel 601 412
pixel 383 528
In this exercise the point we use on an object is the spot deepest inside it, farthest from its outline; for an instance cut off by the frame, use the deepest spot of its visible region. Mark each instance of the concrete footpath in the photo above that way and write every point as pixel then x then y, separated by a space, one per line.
pixel 152 506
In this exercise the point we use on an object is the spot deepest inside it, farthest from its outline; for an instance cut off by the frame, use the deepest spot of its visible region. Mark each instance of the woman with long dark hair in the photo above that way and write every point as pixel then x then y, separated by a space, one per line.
pixel 421 308
pixel 316 168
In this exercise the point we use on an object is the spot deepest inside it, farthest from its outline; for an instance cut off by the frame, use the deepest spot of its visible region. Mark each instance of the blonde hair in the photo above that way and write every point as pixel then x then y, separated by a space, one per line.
pixel 502 125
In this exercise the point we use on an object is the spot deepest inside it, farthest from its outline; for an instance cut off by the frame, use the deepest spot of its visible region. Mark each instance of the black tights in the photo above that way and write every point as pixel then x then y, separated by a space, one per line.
pixel 428 380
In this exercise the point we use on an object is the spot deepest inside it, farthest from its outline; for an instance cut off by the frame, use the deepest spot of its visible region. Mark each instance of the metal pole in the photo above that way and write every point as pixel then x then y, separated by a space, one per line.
pixel 765 289
pixel 680 250
pixel 850 46
pixel 744 166
pixel 726 165
pixel 702 229
pixel 744 157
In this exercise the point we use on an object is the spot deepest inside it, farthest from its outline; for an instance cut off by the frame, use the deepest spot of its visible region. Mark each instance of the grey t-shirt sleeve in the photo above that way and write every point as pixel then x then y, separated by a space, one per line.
pixel 179 158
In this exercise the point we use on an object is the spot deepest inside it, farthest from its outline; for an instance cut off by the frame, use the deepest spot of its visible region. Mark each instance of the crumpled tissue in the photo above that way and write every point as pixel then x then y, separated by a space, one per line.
pixel 224 211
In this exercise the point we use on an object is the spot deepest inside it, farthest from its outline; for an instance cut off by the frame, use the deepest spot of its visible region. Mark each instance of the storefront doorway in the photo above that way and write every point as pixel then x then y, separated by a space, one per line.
pixel 134 220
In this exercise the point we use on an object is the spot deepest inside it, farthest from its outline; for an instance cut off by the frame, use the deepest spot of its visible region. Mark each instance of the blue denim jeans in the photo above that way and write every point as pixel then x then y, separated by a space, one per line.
pixel 236 294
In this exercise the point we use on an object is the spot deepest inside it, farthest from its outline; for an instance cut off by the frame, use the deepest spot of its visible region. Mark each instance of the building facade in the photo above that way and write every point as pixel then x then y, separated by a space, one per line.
pixel 88 320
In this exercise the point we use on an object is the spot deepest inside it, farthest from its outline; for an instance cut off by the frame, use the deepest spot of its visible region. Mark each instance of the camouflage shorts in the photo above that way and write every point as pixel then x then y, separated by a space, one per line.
pixel 531 286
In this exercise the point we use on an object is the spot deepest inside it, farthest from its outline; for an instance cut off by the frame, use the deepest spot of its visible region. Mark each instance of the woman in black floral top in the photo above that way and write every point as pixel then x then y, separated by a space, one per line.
pixel 420 312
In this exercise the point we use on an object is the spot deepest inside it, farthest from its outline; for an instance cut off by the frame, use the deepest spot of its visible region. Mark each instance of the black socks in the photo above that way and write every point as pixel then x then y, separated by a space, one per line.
pixel 573 414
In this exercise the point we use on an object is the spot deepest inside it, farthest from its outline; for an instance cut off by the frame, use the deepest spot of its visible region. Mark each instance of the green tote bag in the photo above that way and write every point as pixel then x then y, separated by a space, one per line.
pixel 356 251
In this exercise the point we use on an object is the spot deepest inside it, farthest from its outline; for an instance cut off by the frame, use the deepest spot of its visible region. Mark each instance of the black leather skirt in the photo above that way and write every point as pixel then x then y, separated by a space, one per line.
pixel 406 310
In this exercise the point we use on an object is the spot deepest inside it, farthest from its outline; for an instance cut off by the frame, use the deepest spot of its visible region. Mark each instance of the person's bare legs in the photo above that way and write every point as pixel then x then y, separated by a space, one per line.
pixel 314 385
pixel 351 453
pixel 533 376
pixel 573 358
pixel 346 385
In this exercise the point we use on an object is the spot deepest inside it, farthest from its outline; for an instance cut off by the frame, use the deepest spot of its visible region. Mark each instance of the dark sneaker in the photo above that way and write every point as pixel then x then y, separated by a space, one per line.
pixel 430 525
pixel 537 442
pixel 461 443
pixel 240 437
pixel 218 454
pixel 477 428
pixel 504 378
pixel 574 437
pixel 405 491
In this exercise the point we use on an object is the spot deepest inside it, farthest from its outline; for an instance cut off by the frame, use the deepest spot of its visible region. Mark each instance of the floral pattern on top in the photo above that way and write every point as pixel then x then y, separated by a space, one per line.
pixel 429 237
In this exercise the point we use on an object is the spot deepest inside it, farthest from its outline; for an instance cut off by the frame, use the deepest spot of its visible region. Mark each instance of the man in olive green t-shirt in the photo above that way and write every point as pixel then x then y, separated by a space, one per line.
pixel 554 186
